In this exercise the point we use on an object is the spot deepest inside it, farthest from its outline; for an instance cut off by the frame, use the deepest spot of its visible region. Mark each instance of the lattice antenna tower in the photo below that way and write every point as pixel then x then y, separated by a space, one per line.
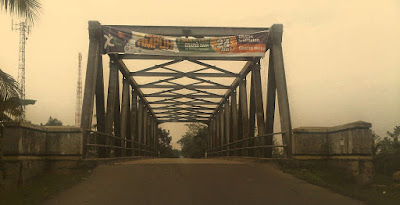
pixel 24 30
pixel 79 93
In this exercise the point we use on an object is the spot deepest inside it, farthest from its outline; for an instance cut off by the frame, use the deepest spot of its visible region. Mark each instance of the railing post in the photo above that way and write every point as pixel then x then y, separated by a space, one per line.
pixel 90 81
pixel 283 100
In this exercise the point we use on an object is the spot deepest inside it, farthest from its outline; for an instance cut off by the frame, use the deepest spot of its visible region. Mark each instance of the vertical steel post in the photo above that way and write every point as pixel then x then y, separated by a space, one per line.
pixel 117 118
pixel 90 81
pixel 227 125
pixel 125 115
pixel 100 108
pixel 271 97
pixel 133 121
pixel 244 114
pixel 252 124
pixel 281 87
pixel 235 122
pixel 140 125
pixel 111 98
pixel 259 108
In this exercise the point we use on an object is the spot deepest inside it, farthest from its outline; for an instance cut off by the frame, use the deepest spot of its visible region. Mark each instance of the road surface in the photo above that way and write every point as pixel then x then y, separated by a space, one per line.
pixel 194 181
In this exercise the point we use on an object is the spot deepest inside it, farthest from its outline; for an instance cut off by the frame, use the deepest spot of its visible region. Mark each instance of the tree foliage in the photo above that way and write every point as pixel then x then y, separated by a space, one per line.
pixel 164 145
pixel 27 9
pixel 53 122
pixel 10 105
pixel 387 152
pixel 194 141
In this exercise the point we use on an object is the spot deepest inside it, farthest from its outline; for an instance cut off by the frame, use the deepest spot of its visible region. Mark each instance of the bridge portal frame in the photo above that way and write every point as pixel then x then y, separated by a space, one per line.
pixel 133 129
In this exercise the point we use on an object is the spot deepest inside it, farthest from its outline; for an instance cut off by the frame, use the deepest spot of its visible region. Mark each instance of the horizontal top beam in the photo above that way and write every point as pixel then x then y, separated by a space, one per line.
pixel 194 58
pixel 184 121
pixel 197 32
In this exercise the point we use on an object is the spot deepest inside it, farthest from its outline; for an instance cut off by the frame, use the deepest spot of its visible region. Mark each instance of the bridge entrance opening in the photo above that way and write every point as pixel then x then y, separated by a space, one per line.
pixel 185 87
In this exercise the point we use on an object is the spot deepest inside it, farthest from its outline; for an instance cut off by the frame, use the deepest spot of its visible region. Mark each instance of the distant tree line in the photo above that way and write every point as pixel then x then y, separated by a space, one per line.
pixel 164 145
pixel 53 122
pixel 194 141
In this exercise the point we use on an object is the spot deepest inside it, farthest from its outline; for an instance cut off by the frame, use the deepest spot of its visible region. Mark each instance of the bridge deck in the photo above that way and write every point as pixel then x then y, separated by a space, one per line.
pixel 194 181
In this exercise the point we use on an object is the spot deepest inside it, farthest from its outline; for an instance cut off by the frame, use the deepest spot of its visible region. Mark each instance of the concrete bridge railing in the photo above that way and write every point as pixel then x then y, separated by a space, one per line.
pixel 350 141
pixel 28 150
pixel 346 148
pixel 22 140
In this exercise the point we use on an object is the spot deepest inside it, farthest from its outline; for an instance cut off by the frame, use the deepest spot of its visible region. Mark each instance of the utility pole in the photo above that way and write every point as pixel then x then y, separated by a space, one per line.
pixel 79 93
pixel 23 36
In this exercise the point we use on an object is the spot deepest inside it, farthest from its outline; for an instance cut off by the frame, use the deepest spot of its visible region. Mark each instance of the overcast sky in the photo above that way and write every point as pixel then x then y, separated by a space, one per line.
pixel 342 58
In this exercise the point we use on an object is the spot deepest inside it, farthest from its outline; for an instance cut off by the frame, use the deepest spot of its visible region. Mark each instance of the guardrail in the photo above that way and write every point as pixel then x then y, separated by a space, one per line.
pixel 107 145
pixel 230 148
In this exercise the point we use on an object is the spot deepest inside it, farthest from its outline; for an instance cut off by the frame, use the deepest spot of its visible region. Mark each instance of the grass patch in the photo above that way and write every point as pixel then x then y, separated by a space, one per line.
pixel 36 190
pixel 381 191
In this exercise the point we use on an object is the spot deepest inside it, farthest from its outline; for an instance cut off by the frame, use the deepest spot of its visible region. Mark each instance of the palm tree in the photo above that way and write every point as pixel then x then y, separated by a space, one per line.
pixel 10 105
pixel 27 9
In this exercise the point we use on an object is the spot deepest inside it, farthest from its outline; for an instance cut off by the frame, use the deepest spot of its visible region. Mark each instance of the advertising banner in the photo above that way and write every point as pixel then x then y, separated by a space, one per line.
pixel 131 42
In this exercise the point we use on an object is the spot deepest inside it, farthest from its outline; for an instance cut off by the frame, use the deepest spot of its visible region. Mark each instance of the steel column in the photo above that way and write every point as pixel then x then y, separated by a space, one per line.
pixel 134 122
pixel 281 87
pixel 271 98
pixel 111 101
pixel 259 109
pixel 125 115
pixel 90 81
pixel 235 125
pixel 244 114
pixel 227 113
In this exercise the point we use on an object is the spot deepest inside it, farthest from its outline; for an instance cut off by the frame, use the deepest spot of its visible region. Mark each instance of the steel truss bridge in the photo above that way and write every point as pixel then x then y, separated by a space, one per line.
pixel 237 122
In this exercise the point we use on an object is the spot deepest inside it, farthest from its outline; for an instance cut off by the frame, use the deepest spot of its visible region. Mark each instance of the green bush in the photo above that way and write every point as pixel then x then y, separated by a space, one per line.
pixel 194 142
pixel 387 153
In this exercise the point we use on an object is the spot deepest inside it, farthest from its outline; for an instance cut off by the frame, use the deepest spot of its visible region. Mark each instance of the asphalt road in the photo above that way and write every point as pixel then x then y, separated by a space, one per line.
pixel 194 181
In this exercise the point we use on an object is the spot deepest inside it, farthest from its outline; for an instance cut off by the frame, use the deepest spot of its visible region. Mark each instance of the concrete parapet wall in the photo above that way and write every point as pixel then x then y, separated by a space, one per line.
pixel 26 139
pixel 30 150
pixel 347 148
pixel 349 139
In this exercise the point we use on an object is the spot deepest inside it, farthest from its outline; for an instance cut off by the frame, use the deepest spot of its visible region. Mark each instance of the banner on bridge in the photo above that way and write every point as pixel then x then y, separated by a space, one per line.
pixel 131 42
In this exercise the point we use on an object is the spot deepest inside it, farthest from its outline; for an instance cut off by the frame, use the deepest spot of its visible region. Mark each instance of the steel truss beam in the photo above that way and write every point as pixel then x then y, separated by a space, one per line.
pixel 243 73
pixel 200 121
pixel 160 57
pixel 180 75
pixel 198 32
pixel 125 72
pixel 186 86
pixel 182 96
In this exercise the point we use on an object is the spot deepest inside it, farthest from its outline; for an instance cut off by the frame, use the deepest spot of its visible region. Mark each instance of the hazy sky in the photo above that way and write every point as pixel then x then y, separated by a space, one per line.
pixel 342 58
